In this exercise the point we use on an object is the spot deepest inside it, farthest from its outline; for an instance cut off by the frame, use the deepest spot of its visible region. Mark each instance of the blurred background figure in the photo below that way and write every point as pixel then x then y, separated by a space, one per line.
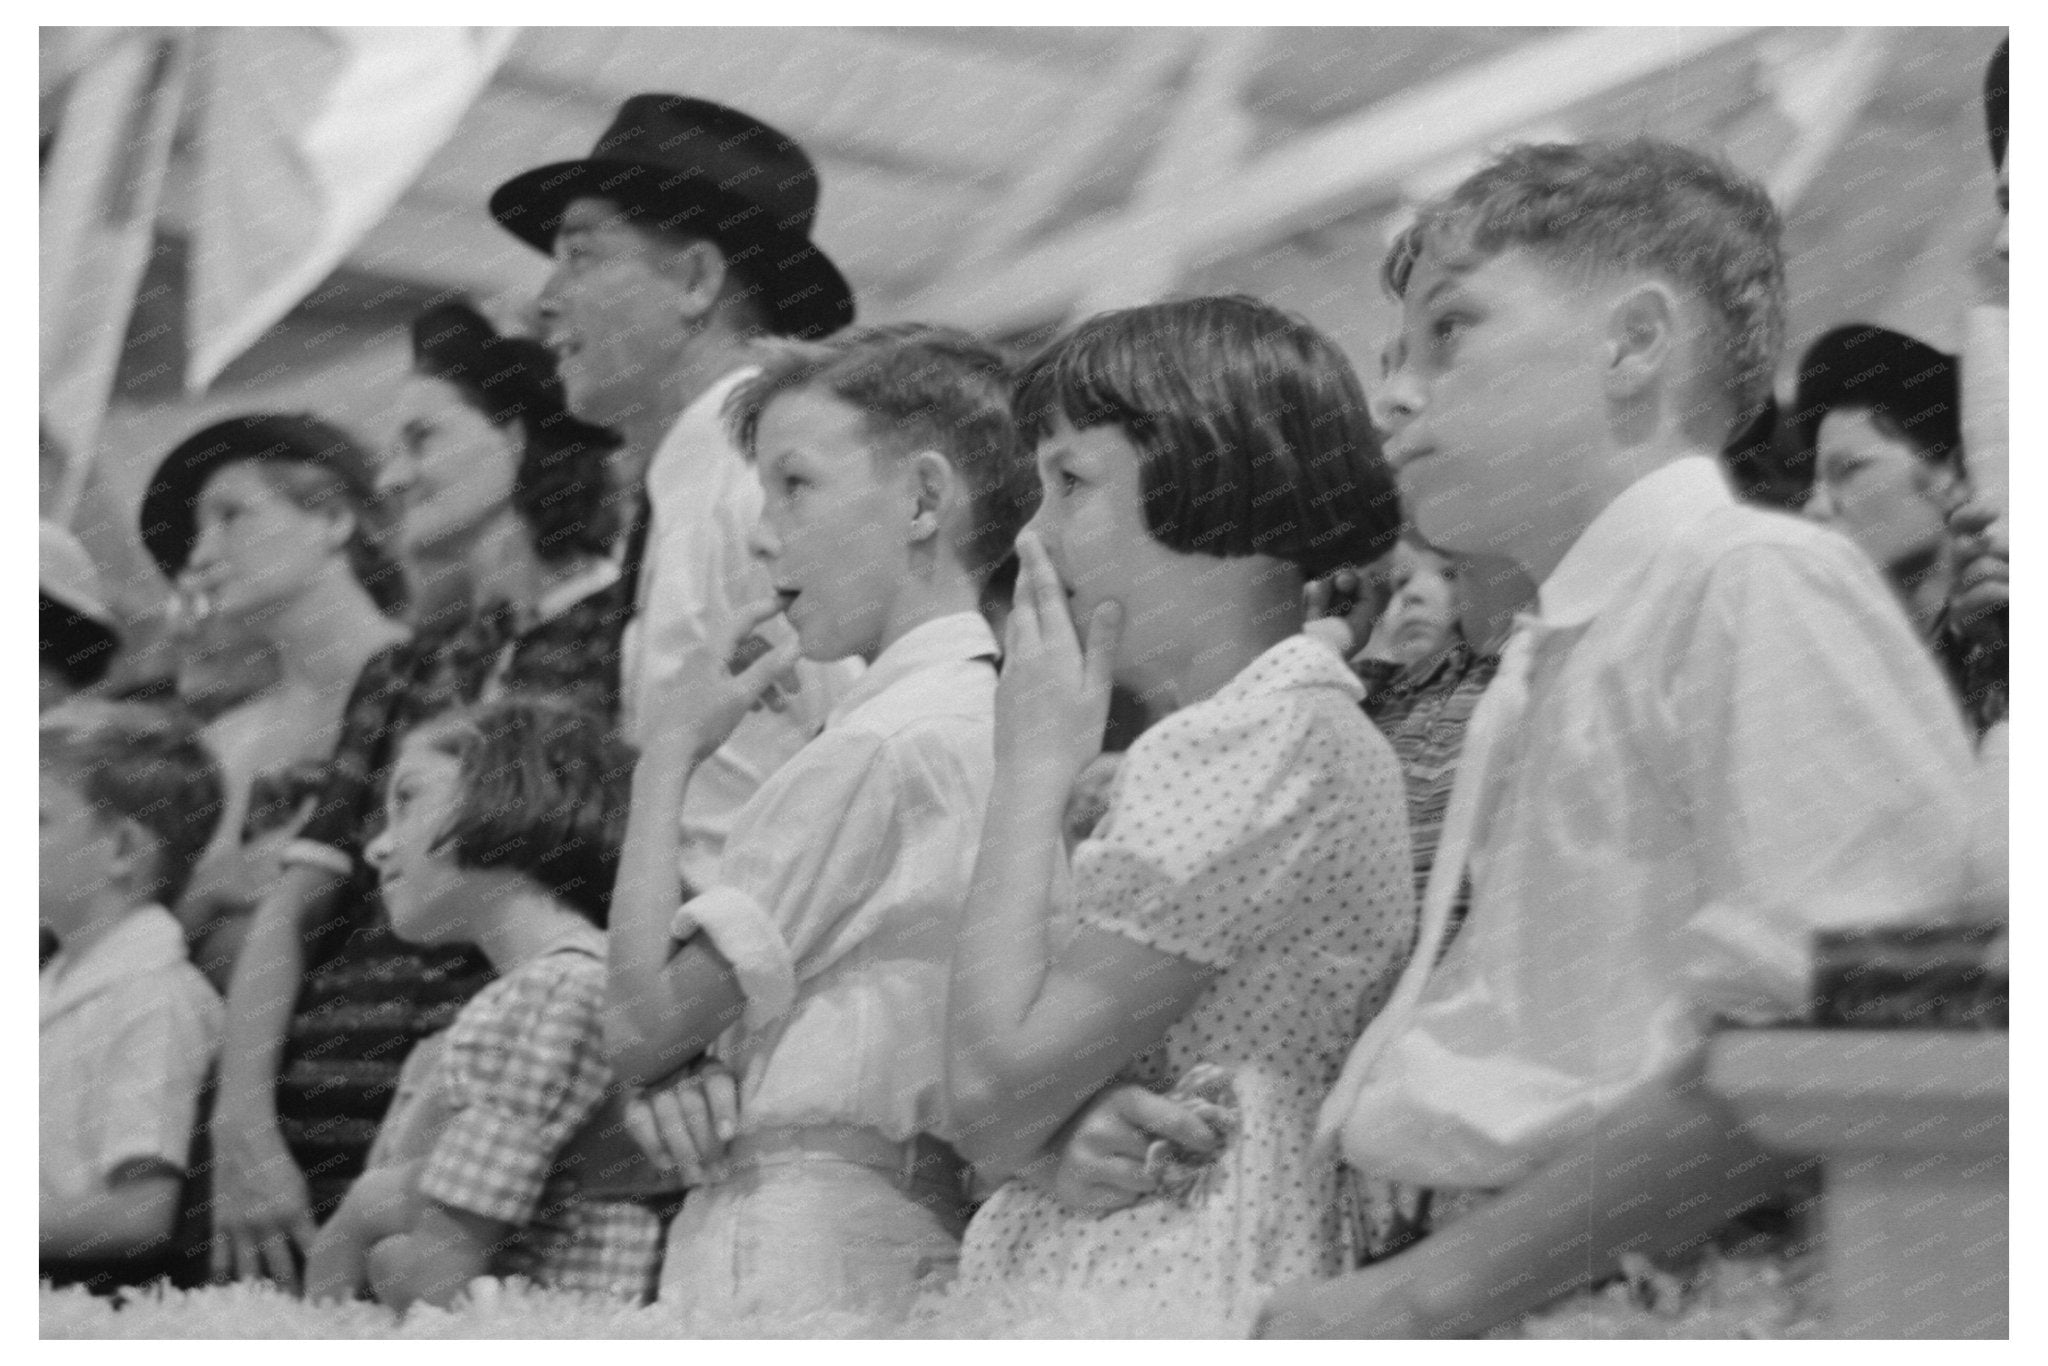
pixel 1878 418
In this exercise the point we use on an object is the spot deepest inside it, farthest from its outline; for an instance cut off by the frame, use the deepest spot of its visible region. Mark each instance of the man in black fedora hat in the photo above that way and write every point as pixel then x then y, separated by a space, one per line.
pixel 682 239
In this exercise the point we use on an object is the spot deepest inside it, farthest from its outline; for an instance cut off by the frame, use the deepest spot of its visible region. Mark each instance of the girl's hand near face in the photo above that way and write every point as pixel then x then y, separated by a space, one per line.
pixel 1053 699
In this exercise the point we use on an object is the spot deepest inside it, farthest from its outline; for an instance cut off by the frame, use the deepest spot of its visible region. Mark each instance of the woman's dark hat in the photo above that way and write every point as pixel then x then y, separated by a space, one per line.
pixel 169 520
pixel 692 166
pixel 1875 368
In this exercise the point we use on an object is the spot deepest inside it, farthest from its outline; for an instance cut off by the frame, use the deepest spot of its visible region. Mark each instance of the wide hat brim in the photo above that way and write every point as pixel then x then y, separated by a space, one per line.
pixel 168 520
pixel 802 292
pixel 1864 366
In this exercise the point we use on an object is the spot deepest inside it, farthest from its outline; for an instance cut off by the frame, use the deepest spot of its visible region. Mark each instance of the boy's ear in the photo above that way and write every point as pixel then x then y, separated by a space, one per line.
pixel 933 485
pixel 135 854
pixel 1642 337
pixel 341 525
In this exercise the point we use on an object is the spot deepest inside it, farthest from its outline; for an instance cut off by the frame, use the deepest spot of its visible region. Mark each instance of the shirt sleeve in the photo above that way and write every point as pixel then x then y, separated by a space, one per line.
pixel 1822 762
pixel 1200 818
pixel 831 848
pixel 520 1081
pixel 156 1064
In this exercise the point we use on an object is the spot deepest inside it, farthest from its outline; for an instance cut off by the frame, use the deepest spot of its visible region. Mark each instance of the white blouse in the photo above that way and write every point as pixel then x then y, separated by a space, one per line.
pixel 842 886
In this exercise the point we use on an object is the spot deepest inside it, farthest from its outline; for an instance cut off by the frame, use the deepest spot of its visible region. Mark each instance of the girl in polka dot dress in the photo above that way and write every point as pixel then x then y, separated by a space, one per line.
pixel 1246 902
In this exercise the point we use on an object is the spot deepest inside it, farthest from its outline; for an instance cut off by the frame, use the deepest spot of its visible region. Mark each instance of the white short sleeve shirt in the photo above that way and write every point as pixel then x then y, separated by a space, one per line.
pixel 128 1030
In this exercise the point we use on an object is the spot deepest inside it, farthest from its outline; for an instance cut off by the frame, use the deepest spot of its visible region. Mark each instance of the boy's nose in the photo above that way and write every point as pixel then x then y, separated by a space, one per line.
pixel 762 542
pixel 1820 504
pixel 1394 402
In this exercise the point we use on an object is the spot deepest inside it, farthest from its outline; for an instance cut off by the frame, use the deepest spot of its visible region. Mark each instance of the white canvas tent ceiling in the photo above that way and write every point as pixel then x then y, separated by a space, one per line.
pixel 1004 178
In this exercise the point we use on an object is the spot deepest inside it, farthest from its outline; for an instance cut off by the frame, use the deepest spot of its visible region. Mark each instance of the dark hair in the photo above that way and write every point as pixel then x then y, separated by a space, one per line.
pixel 561 489
pixel 1995 125
pixel 544 792
pixel 1645 205
pixel 1252 430
pixel 144 764
pixel 920 388
pixel 1910 389
pixel 72 645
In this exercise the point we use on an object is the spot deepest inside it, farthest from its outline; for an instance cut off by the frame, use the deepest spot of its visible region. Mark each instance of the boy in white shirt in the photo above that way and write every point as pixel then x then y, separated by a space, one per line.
pixel 128 799
pixel 816 960
pixel 1715 735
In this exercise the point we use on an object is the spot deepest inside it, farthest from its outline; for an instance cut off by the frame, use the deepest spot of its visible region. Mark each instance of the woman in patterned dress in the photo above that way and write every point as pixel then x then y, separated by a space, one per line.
pixel 492 474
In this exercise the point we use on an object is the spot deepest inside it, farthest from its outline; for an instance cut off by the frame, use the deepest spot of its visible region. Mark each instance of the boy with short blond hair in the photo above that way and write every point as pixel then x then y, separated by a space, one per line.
pixel 814 965
pixel 1715 736
pixel 128 800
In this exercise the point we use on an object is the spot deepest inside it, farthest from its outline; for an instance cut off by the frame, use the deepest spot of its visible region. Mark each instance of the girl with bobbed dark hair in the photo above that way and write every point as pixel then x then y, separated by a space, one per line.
pixel 504 515
pixel 1244 905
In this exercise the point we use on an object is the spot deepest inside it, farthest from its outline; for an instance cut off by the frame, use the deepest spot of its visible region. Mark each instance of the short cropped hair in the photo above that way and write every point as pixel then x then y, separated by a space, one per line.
pixel 1641 205
pixel 561 488
pixel 544 787
pixel 920 388
pixel 1252 430
pixel 142 763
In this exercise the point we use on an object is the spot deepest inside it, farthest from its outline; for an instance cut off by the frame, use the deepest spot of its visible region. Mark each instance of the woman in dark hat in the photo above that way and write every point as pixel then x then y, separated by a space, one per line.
pixel 270 522
pixel 1878 416
pixel 499 490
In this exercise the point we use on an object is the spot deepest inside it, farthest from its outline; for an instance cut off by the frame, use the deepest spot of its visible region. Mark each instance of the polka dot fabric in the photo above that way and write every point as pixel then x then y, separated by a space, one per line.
pixel 1263 833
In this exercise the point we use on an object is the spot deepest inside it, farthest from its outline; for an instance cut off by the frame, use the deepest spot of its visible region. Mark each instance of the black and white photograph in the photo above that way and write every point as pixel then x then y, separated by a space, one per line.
pixel 1024 681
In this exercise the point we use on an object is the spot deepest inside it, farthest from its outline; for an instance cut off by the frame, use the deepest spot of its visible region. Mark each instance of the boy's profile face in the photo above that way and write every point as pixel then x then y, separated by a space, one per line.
pixel 1491 398
pixel 77 850
pixel 420 883
pixel 836 524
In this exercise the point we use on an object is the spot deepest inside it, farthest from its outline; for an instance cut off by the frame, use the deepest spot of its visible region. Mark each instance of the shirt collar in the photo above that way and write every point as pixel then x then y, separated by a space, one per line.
pixel 145 940
pixel 593 578
pixel 1296 662
pixel 942 640
pixel 1612 553
pixel 701 427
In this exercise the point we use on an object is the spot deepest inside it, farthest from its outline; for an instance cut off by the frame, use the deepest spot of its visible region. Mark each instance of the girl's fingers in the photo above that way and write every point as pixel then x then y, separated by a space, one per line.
pixel 723 1092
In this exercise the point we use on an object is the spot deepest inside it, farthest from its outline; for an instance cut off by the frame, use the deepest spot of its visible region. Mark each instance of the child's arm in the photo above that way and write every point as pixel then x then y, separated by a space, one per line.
pixel 442 1254
pixel 1663 1172
pixel 132 1215
pixel 666 1006
pixel 383 1203
pixel 1031 1037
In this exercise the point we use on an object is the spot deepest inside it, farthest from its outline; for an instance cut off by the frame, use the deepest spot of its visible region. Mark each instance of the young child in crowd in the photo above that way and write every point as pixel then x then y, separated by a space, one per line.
pixel 1244 905
pixel 1421 619
pixel 502 830
pixel 128 800
pixel 1717 735
pixel 894 483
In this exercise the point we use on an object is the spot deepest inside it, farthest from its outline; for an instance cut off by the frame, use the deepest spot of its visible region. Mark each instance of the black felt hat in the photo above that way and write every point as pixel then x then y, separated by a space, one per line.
pixel 1861 366
pixel 695 166
pixel 169 518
